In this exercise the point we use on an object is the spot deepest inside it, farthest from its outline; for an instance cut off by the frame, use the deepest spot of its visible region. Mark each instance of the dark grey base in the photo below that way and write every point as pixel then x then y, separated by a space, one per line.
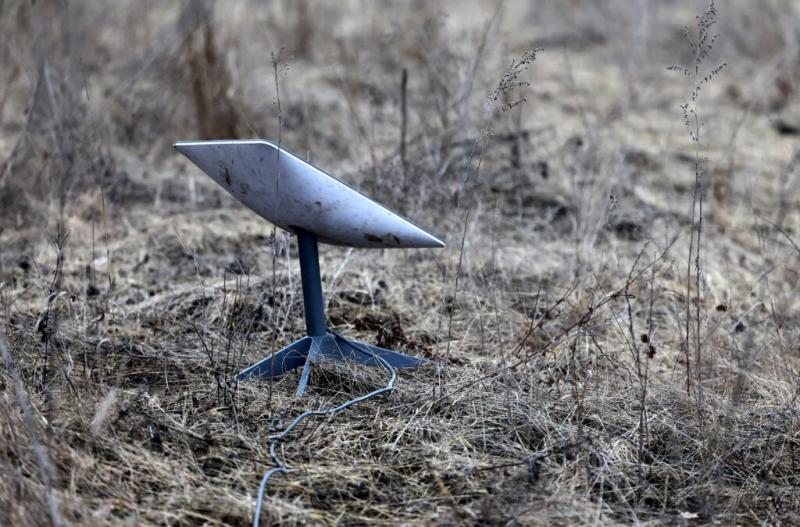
pixel 330 346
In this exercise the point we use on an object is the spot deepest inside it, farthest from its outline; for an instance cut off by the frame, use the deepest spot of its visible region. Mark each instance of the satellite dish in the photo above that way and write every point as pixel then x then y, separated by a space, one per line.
pixel 315 206
pixel 291 193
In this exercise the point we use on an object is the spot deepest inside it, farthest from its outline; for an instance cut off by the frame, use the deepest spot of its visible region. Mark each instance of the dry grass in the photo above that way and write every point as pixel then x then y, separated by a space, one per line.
pixel 131 288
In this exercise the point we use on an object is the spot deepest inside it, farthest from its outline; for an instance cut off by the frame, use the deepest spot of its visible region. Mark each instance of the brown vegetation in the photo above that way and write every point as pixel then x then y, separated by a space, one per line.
pixel 616 314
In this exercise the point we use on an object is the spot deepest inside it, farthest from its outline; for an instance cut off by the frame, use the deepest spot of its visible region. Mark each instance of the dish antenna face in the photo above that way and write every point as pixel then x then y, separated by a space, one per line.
pixel 316 207
pixel 285 190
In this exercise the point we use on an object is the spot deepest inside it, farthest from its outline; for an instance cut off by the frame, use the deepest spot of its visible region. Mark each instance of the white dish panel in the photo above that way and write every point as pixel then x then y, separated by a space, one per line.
pixel 289 192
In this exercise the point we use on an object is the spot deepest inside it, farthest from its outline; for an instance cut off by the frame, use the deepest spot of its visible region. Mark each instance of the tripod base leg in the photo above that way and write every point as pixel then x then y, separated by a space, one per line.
pixel 337 348
pixel 309 350
pixel 291 357
pixel 365 354
pixel 315 350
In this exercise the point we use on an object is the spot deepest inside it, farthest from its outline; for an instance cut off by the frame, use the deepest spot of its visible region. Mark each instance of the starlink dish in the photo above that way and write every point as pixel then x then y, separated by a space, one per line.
pixel 315 206
pixel 289 192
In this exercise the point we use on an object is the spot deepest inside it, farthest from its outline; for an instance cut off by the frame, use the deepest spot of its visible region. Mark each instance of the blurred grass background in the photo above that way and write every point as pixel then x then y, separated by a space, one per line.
pixel 132 287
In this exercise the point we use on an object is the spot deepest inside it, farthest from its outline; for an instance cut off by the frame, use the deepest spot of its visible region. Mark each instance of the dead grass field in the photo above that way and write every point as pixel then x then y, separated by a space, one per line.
pixel 597 369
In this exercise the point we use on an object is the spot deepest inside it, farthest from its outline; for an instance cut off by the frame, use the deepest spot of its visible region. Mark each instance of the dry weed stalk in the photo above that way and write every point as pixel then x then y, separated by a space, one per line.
pixel 701 47
pixel 509 84
pixel 278 67
pixel 45 467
